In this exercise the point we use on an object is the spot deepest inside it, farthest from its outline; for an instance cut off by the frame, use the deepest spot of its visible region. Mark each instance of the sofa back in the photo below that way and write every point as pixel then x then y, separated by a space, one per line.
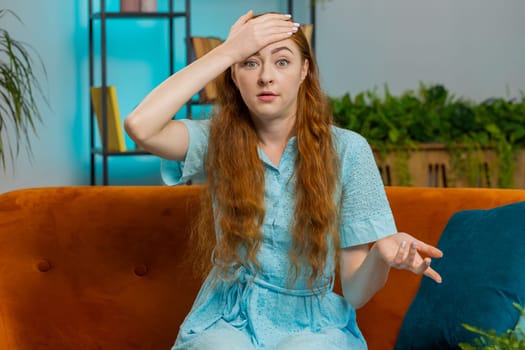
pixel 107 267
pixel 94 267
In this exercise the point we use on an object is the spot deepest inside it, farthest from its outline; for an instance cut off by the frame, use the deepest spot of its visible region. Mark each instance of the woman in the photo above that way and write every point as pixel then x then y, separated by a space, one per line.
pixel 294 198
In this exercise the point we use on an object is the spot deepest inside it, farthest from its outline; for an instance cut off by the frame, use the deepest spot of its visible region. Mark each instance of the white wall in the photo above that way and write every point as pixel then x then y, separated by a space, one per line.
pixel 52 28
pixel 474 47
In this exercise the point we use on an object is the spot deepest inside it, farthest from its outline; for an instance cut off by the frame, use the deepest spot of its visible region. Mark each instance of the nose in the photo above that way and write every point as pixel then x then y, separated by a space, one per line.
pixel 265 76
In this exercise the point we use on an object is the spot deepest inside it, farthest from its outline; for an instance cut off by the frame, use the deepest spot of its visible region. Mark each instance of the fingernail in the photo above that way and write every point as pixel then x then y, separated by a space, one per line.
pixel 297 24
pixel 288 15
pixel 403 244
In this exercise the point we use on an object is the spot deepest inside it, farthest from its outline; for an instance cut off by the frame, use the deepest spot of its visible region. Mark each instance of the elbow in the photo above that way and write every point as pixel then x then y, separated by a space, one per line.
pixel 133 129
pixel 357 303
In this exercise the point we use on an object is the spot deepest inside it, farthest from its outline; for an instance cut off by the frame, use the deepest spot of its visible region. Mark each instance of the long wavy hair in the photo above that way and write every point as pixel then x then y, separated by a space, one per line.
pixel 235 182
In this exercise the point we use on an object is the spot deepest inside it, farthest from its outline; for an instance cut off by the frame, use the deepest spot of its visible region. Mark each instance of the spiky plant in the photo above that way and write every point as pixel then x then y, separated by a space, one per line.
pixel 19 87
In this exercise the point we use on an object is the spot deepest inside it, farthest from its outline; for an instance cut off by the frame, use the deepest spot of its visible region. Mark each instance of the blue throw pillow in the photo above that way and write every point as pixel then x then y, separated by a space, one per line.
pixel 483 270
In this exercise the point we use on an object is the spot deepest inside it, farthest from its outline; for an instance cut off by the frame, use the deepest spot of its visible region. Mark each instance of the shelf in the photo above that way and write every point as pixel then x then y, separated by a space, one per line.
pixel 136 152
pixel 199 103
pixel 100 18
pixel 137 15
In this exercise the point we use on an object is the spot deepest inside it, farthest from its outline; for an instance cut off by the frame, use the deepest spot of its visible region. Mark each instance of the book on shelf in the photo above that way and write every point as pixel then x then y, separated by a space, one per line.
pixel 308 31
pixel 202 45
pixel 115 130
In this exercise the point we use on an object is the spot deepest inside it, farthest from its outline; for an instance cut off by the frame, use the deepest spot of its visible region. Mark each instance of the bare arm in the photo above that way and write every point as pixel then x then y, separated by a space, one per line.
pixel 362 274
pixel 151 126
pixel 364 271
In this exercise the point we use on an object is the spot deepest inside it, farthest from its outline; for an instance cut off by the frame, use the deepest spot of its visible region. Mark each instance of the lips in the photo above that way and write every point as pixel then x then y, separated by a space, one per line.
pixel 266 96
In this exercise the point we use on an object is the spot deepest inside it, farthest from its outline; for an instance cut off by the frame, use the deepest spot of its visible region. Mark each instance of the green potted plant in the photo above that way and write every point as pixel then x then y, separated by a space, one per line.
pixel 19 87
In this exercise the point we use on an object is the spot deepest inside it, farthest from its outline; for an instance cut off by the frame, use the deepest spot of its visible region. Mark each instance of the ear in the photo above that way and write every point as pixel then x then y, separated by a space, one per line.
pixel 305 69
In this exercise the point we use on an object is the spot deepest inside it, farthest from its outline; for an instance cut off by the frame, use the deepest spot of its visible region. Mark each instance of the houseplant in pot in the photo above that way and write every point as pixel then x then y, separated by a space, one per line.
pixel 19 89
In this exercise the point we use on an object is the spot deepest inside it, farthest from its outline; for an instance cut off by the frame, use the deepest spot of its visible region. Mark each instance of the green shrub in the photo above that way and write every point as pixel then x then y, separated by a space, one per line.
pixel 431 114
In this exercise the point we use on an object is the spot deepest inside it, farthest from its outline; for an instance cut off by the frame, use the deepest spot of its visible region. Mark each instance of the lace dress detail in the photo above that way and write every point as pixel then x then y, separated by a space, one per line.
pixel 262 308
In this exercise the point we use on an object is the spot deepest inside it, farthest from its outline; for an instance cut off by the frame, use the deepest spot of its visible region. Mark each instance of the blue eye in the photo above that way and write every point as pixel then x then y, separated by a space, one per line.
pixel 249 64
pixel 282 62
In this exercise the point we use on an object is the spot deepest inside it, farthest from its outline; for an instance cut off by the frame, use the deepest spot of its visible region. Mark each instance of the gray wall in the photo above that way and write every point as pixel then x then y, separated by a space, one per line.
pixel 475 47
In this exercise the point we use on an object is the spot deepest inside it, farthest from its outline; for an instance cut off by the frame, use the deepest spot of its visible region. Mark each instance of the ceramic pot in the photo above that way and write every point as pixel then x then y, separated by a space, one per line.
pixel 148 5
pixel 129 5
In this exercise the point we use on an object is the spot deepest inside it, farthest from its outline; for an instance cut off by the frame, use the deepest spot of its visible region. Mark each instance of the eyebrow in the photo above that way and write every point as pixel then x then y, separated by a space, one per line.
pixel 280 49
pixel 277 49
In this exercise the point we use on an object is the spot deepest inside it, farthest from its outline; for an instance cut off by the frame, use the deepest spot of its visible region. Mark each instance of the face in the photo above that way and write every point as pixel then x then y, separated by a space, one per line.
pixel 269 80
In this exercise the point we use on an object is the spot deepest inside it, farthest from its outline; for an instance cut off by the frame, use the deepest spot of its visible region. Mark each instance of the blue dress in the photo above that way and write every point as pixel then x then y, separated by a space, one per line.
pixel 262 311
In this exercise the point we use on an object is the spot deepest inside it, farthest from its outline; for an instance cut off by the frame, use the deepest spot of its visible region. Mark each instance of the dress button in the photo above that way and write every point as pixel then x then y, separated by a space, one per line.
pixel 43 266
pixel 141 270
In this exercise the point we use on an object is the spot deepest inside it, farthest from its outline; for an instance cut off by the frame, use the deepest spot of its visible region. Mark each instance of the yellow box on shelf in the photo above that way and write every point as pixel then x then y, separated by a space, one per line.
pixel 115 132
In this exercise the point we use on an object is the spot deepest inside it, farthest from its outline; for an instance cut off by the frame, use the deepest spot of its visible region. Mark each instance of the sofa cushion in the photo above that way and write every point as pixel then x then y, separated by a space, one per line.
pixel 482 270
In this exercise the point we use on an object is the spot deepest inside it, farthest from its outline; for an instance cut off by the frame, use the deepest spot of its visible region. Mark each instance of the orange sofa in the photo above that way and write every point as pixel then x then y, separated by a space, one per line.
pixel 106 267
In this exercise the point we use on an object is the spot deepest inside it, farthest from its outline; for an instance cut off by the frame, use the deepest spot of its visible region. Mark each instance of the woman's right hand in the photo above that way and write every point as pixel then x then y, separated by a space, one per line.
pixel 248 35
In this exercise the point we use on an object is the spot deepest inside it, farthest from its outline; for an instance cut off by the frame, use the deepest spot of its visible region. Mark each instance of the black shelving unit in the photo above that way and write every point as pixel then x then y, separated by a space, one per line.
pixel 311 4
pixel 102 16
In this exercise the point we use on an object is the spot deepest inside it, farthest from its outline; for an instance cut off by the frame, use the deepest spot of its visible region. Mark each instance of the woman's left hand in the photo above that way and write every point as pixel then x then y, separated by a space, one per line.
pixel 404 252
